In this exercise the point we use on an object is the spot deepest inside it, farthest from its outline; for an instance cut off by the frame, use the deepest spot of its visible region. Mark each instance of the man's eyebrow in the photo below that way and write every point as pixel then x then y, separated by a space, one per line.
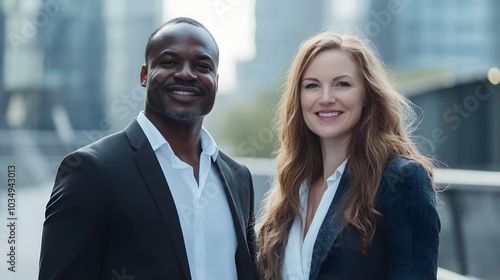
pixel 205 57
pixel 170 53
pixel 174 54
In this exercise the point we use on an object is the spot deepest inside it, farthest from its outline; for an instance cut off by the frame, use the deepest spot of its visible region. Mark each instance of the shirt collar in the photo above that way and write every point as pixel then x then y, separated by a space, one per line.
pixel 157 140
pixel 338 172
pixel 330 180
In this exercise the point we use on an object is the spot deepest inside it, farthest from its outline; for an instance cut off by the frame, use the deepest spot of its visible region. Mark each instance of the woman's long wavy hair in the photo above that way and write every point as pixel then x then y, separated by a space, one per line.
pixel 384 130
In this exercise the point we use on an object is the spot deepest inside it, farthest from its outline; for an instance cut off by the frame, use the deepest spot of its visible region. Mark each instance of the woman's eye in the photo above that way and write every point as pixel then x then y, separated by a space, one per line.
pixel 311 85
pixel 343 84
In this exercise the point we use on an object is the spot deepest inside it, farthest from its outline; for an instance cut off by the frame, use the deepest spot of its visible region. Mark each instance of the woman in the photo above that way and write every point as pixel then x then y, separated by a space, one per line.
pixel 353 198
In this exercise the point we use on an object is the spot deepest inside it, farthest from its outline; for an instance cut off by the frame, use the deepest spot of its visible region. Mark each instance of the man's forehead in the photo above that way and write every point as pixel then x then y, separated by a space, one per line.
pixel 180 30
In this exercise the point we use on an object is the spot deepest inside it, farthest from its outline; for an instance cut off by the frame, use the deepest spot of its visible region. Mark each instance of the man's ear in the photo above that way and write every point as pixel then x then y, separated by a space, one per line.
pixel 144 75
pixel 217 84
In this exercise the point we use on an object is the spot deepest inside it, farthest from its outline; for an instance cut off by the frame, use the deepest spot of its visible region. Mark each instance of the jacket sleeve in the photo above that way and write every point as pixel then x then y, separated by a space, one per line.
pixel 250 231
pixel 412 221
pixel 74 230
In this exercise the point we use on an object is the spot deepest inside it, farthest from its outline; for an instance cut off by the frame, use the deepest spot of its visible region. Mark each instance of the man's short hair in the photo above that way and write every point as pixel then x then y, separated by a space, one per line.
pixel 172 22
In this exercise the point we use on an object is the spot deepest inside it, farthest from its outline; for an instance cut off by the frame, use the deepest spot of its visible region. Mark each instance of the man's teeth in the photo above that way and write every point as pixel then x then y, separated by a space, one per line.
pixel 328 115
pixel 183 92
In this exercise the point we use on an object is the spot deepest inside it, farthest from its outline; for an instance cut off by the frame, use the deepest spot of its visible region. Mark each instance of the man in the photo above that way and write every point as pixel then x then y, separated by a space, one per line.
pixel 157 200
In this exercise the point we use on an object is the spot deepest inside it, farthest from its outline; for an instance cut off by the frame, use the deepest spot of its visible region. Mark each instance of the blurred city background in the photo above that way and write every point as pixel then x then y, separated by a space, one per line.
pixel 69 75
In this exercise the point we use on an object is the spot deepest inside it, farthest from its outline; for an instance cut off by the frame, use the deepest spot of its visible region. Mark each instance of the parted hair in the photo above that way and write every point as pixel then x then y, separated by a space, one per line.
pixel 383 131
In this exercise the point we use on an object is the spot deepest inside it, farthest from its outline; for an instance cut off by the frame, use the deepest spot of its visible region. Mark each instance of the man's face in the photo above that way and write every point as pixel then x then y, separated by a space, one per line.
pixel 181 73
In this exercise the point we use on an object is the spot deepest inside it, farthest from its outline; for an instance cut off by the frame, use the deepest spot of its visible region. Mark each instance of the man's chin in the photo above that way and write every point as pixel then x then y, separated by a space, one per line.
pixel 182 117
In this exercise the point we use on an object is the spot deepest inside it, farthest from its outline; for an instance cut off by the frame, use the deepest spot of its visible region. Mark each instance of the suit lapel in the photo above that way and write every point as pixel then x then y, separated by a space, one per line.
pixel 153 175
pixel 242 258
pixel 227 182
pixel 332 225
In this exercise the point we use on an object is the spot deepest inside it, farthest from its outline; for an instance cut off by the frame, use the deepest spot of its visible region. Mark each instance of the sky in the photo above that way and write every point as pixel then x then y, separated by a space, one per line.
pixel 231 22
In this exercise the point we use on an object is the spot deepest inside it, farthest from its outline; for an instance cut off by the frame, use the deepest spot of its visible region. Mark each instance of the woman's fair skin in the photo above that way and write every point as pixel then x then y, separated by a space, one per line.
pixel 332 98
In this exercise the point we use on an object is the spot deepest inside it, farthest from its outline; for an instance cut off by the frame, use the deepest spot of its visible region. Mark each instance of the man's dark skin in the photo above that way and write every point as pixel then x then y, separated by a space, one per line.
pixel 180 77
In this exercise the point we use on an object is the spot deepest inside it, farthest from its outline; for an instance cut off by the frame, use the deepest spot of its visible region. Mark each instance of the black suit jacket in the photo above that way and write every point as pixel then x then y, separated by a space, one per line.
pixel 405 246
pixel 111 215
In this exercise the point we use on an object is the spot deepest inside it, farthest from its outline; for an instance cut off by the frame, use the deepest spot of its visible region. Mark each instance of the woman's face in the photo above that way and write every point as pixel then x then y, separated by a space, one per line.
pixel 332 96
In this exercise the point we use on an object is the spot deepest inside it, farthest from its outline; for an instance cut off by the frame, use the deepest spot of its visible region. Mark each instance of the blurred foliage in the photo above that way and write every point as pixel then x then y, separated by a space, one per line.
pixel 249 126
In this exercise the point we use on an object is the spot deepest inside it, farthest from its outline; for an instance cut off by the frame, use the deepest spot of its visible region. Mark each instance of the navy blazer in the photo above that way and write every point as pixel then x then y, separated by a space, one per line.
pixel 111 215
pixel 405 245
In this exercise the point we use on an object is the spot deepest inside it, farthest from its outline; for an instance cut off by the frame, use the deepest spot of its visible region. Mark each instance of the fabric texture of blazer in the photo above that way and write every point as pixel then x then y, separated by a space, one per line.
pixel 406 241
pixel 111 215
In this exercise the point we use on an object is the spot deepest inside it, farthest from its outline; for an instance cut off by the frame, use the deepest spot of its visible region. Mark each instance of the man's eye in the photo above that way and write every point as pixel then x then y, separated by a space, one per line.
pixel 205 66
pixel 168 62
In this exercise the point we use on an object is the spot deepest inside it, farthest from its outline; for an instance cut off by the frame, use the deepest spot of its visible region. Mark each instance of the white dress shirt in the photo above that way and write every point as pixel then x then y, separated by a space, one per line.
pixel 299 249
pixel 204 215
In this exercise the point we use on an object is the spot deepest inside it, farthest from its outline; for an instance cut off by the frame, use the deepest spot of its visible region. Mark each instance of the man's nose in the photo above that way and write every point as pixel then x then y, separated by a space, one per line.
pixel 185 72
